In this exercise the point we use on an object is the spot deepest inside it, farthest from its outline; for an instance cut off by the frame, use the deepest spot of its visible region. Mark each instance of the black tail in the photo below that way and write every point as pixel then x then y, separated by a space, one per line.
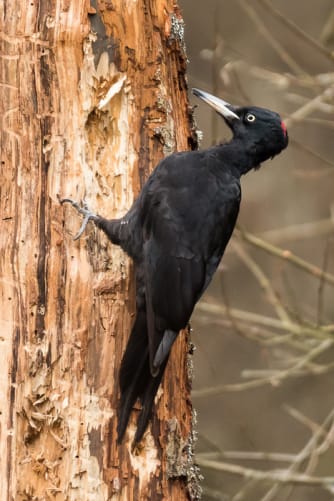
pixel 136 380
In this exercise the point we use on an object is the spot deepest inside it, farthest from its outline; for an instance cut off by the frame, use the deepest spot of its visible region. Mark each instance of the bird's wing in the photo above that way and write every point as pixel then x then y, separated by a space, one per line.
pixel 185 235
pixel 172 286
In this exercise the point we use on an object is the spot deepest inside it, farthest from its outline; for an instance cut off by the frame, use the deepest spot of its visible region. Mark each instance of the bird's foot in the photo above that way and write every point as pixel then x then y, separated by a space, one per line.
pixel 82 209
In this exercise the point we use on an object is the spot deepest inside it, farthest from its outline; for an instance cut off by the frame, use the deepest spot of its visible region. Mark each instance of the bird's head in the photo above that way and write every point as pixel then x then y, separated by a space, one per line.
pixel 262 131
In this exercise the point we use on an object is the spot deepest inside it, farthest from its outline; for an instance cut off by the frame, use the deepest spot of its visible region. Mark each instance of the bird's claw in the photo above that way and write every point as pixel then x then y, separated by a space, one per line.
pixel 82 209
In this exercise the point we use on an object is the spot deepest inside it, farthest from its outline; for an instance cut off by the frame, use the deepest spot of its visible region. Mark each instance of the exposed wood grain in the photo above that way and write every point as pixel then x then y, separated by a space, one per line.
pixel 67 307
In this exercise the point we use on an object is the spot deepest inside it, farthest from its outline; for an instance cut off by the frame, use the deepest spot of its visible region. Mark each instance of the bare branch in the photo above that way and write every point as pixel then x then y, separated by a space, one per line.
pixel 305 421
pixel 286 255
pixel 322 283
pixel 274 380
pixel 249 455
pixel 283 54
pixel 327 35
pixel 314 154
pixel 256 318
pixel 310 106
pixel 308 449
pixel 263 281
pixel 296 30
pixel 281 476
pixel 299 231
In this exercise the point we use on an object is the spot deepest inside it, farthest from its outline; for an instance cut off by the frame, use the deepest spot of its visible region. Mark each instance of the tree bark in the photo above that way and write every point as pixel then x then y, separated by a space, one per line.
pixel 93 95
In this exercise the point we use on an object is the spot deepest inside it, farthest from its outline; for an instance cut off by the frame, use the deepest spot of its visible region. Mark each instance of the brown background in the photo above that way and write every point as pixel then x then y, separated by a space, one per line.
pixel 295 188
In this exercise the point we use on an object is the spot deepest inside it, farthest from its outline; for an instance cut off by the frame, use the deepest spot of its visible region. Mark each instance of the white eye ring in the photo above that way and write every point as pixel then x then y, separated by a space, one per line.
pixel 250 117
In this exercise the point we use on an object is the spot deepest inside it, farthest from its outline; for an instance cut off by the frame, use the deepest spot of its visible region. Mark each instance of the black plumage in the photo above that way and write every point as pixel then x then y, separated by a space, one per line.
pixel 176 232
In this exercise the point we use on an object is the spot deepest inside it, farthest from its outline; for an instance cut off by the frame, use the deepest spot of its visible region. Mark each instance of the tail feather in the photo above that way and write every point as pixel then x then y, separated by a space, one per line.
pixel 164 348
pixel 147 400
pixel 136 380
pixel 135 354
pixel 132 372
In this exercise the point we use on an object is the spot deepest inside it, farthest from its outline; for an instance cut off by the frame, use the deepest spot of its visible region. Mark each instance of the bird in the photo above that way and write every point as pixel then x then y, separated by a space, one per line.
pixel 176 233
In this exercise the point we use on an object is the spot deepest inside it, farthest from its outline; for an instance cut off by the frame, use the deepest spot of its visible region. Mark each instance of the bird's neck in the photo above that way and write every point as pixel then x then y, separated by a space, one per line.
pixel 240 157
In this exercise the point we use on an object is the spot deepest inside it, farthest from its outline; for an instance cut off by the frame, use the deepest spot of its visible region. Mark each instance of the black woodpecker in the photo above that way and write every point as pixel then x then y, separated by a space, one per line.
pixel 176 233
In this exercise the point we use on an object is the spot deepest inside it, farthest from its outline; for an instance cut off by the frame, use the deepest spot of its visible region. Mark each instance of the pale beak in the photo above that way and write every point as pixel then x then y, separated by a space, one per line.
pixel 222 107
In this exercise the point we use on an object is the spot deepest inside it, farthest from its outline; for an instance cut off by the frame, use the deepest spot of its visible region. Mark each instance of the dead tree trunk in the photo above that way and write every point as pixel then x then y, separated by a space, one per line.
pixel 92 96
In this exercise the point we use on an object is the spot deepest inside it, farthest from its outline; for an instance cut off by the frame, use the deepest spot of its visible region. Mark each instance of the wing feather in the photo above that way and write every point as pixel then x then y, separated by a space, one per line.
pixel 185 233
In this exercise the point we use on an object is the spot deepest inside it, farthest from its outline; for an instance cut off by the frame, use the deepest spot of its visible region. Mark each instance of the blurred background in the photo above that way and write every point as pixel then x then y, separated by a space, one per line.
pixel 264 331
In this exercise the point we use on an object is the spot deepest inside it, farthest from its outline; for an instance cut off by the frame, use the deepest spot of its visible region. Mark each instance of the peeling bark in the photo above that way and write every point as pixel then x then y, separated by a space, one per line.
pixel 93 95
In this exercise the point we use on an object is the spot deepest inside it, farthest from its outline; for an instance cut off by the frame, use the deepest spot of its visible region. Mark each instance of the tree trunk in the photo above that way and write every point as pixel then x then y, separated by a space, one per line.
pixel 92 96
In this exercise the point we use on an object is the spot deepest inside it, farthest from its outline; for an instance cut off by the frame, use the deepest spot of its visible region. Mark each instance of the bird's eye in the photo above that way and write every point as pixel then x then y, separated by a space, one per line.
pixel 250 117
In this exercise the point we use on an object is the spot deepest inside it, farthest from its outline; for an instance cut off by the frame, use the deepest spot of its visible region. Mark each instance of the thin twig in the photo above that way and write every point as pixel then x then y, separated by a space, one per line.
pixel 310 369
pixel 296 30
pixel 246 316
pixel 306 421
pixel 249 455
pixel 299 231
pixel 310 106
pixel 322 283
pixel 277 379
pixel 255 318
pixel 314 154
pixel 257 334
pixel 213 494
pixel 281 476
pixel 241 495
pixel 327 34
pixel 261 28
pixel 286 255
pixel 307 450
pixel 263 281
pixel 319 121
